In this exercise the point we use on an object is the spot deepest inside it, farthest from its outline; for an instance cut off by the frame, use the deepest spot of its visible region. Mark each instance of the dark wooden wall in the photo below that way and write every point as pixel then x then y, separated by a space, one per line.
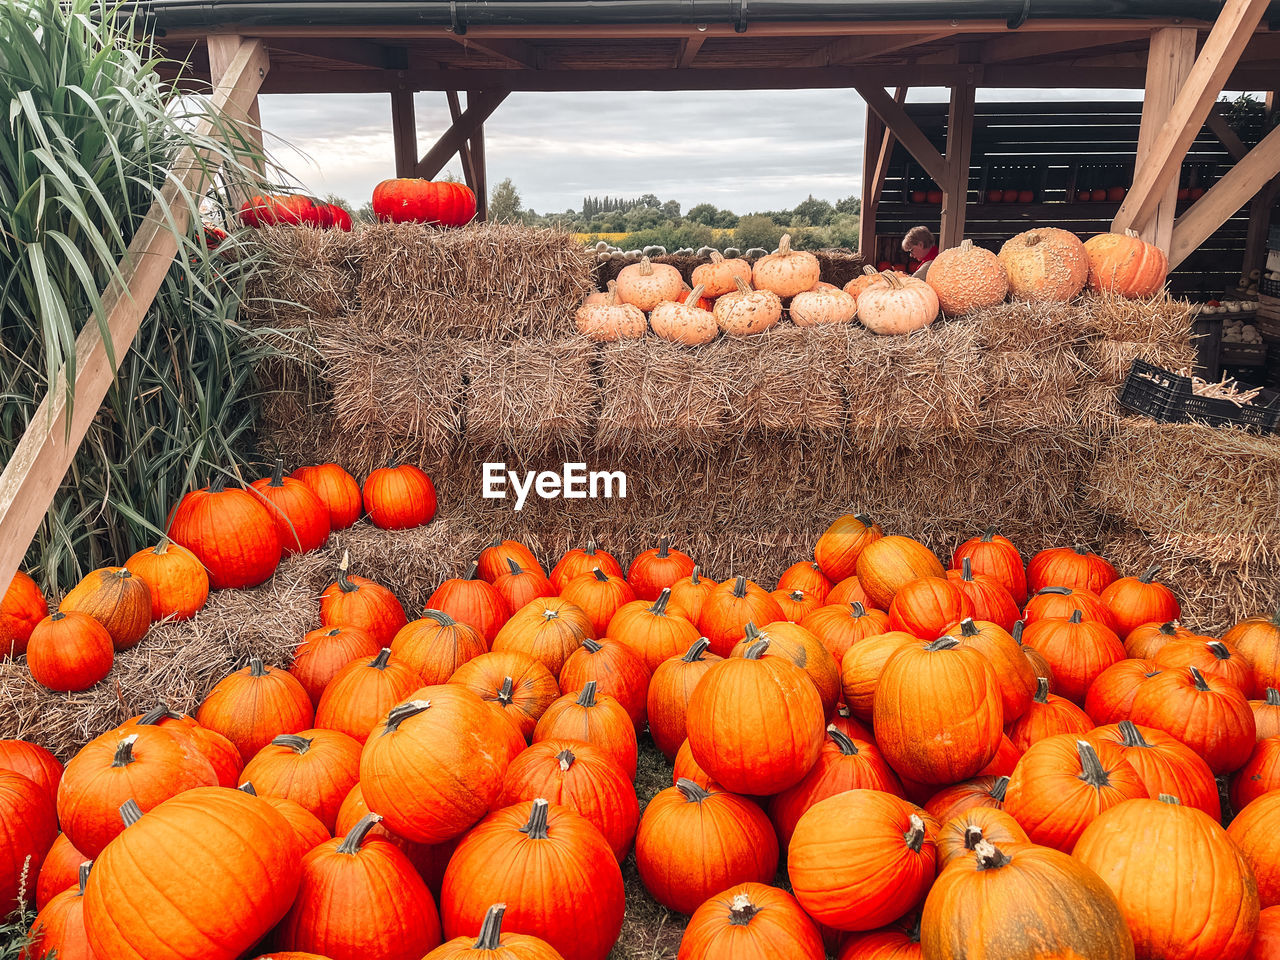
pixel 1054 150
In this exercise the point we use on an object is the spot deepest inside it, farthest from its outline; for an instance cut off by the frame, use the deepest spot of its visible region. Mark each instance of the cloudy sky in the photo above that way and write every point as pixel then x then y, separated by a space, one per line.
pixel 748 150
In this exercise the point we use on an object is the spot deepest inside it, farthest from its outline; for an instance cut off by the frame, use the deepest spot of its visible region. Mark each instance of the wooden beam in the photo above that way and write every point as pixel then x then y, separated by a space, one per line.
pixel 905 129
pixel 43 455
pixel 876 152
pixel 464 150
pixel 1255 242
pixel 955 188
pixel 1218 57
pixel 481 175
pixel 404 132
pixel 1171 56
pixel 359 53
pixel 514 52
pixel 1023 46
pixel 478 111
pixel 1217 123
pixel 688 50
pixel 852 49
pixel 222 53
pixel 1225 197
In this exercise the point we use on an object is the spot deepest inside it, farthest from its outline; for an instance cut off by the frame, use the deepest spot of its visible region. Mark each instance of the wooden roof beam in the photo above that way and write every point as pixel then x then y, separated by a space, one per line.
pixel 1217 123
pixel 905 129
pixel 479 108
pixel 688 50
pixel 360 53
pixel 853 49
pixel 1218 57
pixel 1023 46
pixel 515 53
pixel 1233 191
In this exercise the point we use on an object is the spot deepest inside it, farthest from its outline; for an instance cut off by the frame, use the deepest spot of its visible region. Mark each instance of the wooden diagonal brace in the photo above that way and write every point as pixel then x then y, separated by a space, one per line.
pixel 477 112
pixel 905 129
pixel 44 454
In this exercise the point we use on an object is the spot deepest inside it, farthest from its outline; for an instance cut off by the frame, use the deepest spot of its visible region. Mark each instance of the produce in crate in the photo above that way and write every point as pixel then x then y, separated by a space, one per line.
pixel 861 859
pixel 21 608
pixel 415 200
pixel 1045 265
pixel 746 311
pixel 967 278
pixel 751 920
pixel 1000 893
pixel 684 321
pixel 115 598
pixel 561 881
pixel 900 305
pixel 611 319
pixel 1210 911
pixel 693 843
pixel 1125 264
pixel 786 272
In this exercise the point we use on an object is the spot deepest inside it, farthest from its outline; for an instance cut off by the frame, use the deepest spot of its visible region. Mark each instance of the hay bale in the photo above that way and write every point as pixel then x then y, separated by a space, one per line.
pixel 1159 319
pixel 1204 493
pixel 657 396
pixel 393 384
pixel 839 266
pixel 784 381
pixel 484 280
pixel 306 274
pixel 531 396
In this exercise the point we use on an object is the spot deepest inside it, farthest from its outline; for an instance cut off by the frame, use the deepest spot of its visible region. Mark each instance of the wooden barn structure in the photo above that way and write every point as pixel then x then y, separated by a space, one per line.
pixel 1182 53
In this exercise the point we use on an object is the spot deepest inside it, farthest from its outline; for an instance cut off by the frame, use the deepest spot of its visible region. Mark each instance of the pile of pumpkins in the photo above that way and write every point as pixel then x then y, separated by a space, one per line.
pixel 955 762
pixel 219 537
pixel 1044 265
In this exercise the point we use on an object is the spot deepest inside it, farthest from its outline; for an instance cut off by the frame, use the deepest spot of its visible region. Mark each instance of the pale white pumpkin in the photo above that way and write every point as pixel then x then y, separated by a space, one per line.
pixel 786 272
pixel 747 311
pixel 822 305
pixel 900 305
pixel 611 320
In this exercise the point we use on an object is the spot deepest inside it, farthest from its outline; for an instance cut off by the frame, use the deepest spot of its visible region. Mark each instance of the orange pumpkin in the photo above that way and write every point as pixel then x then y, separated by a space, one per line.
pixel 547 628
pixel 802 648
pixel 840 545
pixel 322 653
pixel 718 276
pixel 178 581
pixel 684 321
pixel 870 276
pixel 967 278
pixel 730 607
pixel 1047 715
pixel 360 602
pixel 435 646
pixel 646 284
pixel 69 652
pixel 599 720
pixel 751 920
pixel 786 272
pixel 316 769
pixel 888 563
pixel 862 665
pixel 254 705
pixel 337 490
pixel 958 836
pixel 901 305
pixel 582 560
pixel 840 626
pixel 362 692
pixel 117 599
pixel 1126 264
pixel 1045 264
pixel 616 670
pixel 1258 638
pixel 522 686
pixel 21 608
pixel 670 690
pixel 610 319
pixel 599 595
pixel 746 311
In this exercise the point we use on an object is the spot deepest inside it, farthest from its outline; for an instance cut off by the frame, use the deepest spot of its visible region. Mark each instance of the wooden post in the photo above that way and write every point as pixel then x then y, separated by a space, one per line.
pixel 222 50
pixel 1226 41
pixel 478 169
pixel 478 110
pixel 876 152
pixel 404 131
pixel 464 151
pixel 955 190
pixel 44 454
pixel 1172 53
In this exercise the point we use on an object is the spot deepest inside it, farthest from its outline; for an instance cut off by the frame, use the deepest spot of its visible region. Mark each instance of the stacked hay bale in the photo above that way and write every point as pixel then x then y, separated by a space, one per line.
pixel 453 349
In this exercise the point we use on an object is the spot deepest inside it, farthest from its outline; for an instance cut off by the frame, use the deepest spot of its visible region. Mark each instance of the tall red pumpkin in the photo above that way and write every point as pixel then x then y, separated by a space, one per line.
pixel 337 490
pixel 398 498
pixel 301 518
pixel 415 200
pixel 997 557
pixel 230 531
pixel 560 880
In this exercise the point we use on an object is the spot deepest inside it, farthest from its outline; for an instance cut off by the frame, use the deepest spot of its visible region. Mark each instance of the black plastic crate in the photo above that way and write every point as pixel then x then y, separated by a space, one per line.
pixel 1168 398
pixel 1269 288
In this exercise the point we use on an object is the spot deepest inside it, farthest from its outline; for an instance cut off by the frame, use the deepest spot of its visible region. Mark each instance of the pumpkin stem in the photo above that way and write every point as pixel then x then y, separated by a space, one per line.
pixel 332 632
pixel 741 911
pixel 1130 735
pixel 344 582
pixel 967 627
pixel 966 570
pixel 130 813
pixel 988 534
pixel 1016 632
pixel 566 759
pixel 784 245
pixel 692 792
pixel 277 473
pixel 1058 591
pixel 514 567
pixel 740 587
pixel 600 575
pixel 157 713
pixel 751 633
pixel 1091 769
pixel 859 611
pixel 1080 549
pixel 440 617
pixel 587 698
pixel 1042 690
pixel 380 661
pixel 1273 696
pixel 1169 798
pixel 83 875
pixel 591 548
pixel 865 518
pixel 473 571
pixel 943 643
pixel 1076 616
pixel 248 787
pixel 592 646
pixel 504 695
pixel 646 267
pixel 297 744
pixel 162 547
pixel 697 649
pixel 693 577
pixel 998 789
pixel 402 712
pixel 664 548
pixel 841 739
pixel 972 836
pixel 659 607
pixel 1198 678
pixel 1169 628
pixel 217 482
pixel 796 596
pixel 757 650
pixel 1219 649
pixel 491 930
pixel 716 256
pixel 989 856
pixel 124 751
pixel 1149 574
pixel 351 842
pixel 742 285
pixel 915 836
pixel 695 295
pixel 536 828
pixel 257 668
